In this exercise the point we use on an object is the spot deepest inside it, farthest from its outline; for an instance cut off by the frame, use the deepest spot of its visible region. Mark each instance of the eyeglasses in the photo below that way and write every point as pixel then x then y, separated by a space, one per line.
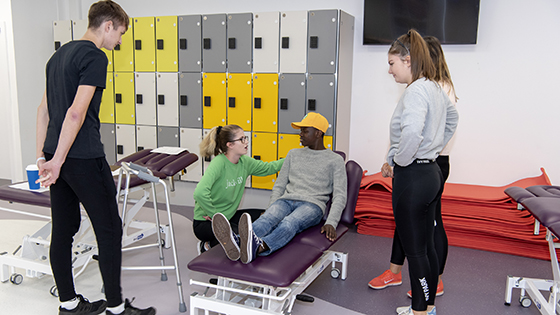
pixel 242 139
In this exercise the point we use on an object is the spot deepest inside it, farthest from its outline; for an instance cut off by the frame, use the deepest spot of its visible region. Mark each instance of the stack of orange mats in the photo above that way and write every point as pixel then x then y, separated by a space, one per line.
pixel 478 217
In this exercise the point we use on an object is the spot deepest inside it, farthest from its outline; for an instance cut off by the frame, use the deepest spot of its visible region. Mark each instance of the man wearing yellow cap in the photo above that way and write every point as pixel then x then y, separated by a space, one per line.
pixel 308 178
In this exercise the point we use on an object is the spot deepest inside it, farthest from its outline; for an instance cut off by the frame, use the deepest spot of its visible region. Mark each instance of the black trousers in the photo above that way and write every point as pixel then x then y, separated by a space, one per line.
pixel 416 191
pixel 88 182
pixel 203 229
pixel 440 237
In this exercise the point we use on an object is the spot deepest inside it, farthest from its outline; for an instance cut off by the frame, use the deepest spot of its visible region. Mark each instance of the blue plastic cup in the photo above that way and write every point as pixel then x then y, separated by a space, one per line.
pixel 32 176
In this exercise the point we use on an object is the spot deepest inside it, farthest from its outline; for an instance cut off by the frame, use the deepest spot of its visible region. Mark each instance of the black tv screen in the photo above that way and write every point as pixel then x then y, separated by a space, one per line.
pixel 451 21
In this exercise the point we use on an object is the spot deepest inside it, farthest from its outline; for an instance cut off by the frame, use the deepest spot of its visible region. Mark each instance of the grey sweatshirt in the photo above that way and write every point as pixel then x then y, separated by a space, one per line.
pixel 312 175
pixel 423 123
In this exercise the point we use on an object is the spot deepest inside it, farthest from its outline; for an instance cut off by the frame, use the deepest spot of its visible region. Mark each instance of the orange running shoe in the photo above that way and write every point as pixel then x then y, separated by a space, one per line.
pixel 386 279
pixel 439 291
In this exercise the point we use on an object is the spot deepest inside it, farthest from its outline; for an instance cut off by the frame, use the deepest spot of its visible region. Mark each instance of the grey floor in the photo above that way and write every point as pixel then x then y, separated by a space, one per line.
pixel 474 280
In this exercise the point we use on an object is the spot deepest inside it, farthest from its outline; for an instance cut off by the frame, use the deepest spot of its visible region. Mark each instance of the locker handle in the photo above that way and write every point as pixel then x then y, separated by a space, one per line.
pixel 284 103
pixel 138 44
pixel 161 99
pixel 207 43
pixel 184 100
pixel 120 149
pixel 231 43
pixel 56 45
pixel 256 157
pixel 140 148
pixel 207 101
pixel 182 43
pixel 231 102
pixel 258 42
pixel 314 42
pixel 285 42
pixel 257 102
pixel 118 98
pixel 118 47
pixel 207 159
pixel 311 104
pixel 139 98
pixel 160 44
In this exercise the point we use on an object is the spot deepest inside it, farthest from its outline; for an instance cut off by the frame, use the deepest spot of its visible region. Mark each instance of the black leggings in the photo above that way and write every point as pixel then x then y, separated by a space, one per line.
pixel 203 229
pixel 416 191
pixel 440 237
pixel 90 182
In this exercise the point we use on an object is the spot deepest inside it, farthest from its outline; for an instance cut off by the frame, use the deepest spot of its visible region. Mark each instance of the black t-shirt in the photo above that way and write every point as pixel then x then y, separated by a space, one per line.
pixel 74 64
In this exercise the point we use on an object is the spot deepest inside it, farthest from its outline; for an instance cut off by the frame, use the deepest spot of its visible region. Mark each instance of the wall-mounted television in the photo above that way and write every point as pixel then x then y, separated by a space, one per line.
pixel 451 21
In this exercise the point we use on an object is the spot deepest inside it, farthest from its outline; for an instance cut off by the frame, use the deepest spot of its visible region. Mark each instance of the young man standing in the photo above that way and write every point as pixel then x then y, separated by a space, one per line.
pixel 72 162
pixel 309 176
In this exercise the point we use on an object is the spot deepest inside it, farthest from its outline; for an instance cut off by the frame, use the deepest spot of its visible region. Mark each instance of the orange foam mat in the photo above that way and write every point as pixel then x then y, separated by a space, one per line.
pixel 478 217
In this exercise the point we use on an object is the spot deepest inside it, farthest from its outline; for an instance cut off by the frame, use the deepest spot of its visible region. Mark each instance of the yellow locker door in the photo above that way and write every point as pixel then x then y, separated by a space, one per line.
pixel 167 51
pixel 214 100
pixel 124 98
pixel 109 54
pixel 327 141
pixel 144 44
pixel 286 142
pixel 123 54
pixel 264 148
pixel 107 109
pixel 265 102
pixel 239 100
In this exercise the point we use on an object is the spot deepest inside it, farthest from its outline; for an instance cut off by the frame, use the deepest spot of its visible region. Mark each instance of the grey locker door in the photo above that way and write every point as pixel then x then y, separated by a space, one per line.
pixel 190 43
pixel 190 100
pixel 168 136
pixel 291 101
pixel 321 96
pixel 214 43
pixel 321 41
pixel 109 142
pixel 239 42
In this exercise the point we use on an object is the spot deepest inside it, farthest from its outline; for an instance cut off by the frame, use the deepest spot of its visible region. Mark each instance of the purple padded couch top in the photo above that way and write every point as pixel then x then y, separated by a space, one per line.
pixel 545 191
pixel 545 210
pixel 518 194
pixel 41 199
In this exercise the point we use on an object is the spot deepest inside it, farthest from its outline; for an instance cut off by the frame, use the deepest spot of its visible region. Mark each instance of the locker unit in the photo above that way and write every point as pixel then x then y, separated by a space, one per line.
pixel 145 98
pixel 123 54
pixel 79 28
pixel 146 137
pixel 265 102
pixel 109 141
pixel 213 100
pixel 239 100
pixel 287 142
pixel 239 42
pixel 266 31
pixel 264 148
pixel 328 142
pixel 214 43
pixel 144 44
pixel 109 54
pixel 126 140
pixel 124 98
pixel 168 136
pixel 190 43
pixel 322 41
pixel 168 99
pixel 291 104
pixel 250 137
pixel 189 139
pixel 321 97
pixel 107 107
pixel 205 161
pixel 293 42
pixel 62 33
pixel 190 100
pixel 166 44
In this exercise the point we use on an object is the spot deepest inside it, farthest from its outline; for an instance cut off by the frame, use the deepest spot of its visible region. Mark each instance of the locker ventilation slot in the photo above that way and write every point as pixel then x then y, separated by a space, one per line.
pixel 207 43
pixel 231 102
pixel 257 102
pixel 207 100
pixel 285 42
pixel 183 43
pixel 258 42
pixel 161 99
pixel 139 98
pixel 138 44
pixel 184 100
pixel 160 44
pixel 284 103
pixel 314 42
pixel 311 104
pixel 231 43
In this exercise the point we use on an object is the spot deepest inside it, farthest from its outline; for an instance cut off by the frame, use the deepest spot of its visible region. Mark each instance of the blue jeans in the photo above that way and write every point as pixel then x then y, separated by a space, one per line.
pixel 283 220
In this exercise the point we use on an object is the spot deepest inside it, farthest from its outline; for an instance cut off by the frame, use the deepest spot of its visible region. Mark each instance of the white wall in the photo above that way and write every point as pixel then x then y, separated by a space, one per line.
pixel 508 116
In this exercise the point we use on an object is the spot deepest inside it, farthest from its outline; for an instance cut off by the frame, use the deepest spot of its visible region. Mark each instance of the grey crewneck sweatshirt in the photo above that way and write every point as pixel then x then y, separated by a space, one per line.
pixel 312 175
pixel 422 124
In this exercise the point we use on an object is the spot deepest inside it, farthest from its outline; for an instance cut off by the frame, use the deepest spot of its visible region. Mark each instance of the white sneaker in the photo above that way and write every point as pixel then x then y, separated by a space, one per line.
pixel 406 310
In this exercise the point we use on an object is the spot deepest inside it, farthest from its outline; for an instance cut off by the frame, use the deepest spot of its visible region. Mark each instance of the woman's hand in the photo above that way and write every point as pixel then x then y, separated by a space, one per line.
pixel 386 170
pixel 207 218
